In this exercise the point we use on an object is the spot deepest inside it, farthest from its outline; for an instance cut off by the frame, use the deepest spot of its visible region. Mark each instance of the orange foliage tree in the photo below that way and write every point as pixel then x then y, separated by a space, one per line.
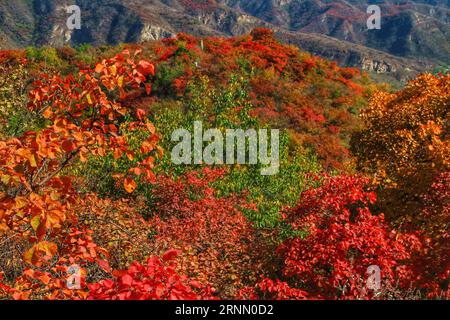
pixel 40 205
pixel 405 141
pixel 405 145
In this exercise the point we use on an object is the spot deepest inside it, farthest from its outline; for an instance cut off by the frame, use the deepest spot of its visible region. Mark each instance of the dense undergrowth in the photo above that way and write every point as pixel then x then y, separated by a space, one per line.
pixel 87 179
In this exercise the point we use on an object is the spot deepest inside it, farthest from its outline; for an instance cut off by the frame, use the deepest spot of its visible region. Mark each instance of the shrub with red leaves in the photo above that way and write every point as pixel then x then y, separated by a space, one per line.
pixel 218 243
pixel 432 265
pixel 157 280
pixel 343 238
pixel 268 289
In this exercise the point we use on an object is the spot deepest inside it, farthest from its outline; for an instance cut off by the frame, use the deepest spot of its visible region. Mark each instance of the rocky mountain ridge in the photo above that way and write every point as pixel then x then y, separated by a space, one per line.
pixel 415 35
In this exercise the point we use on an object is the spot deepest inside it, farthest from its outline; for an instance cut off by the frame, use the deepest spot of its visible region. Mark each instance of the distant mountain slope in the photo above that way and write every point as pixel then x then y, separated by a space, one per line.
pixel 414 34
pixel 409 28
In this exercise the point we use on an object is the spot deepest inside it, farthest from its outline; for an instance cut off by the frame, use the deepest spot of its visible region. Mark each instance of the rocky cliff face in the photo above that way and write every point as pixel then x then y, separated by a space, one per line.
pixel 414 34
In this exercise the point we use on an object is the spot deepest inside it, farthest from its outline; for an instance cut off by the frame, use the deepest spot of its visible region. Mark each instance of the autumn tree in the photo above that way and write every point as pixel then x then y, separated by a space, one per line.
pixel 404 144
pixel 40 205
pixel 405 147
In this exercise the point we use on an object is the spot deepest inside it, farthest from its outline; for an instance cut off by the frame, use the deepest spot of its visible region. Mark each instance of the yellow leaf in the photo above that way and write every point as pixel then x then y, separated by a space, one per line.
pixel 113 70
pixel 35 222
pixel 21 202
pixel 32 160
pixel 120 81
pixel 28 255
pixel 54 195
pixel 5 178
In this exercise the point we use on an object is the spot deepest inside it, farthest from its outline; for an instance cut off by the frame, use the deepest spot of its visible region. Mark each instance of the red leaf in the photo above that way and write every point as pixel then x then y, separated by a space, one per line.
pixel 140 114
pixel 146 68
pixel 148 88
pixel 68 146
pixel 104 265
pixel 170 255
pixel 126 280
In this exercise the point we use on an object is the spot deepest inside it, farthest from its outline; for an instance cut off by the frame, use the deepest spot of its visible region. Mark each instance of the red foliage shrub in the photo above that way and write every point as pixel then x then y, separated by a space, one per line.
pixel 349 73
pixel 342 239
pixel 431 266
pixel 157 280
pixel 218 244
pixel 268 289
pixel 12 57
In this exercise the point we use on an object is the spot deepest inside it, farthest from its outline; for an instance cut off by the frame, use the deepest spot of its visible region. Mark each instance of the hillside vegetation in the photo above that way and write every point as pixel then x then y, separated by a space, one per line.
pixel 87 177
